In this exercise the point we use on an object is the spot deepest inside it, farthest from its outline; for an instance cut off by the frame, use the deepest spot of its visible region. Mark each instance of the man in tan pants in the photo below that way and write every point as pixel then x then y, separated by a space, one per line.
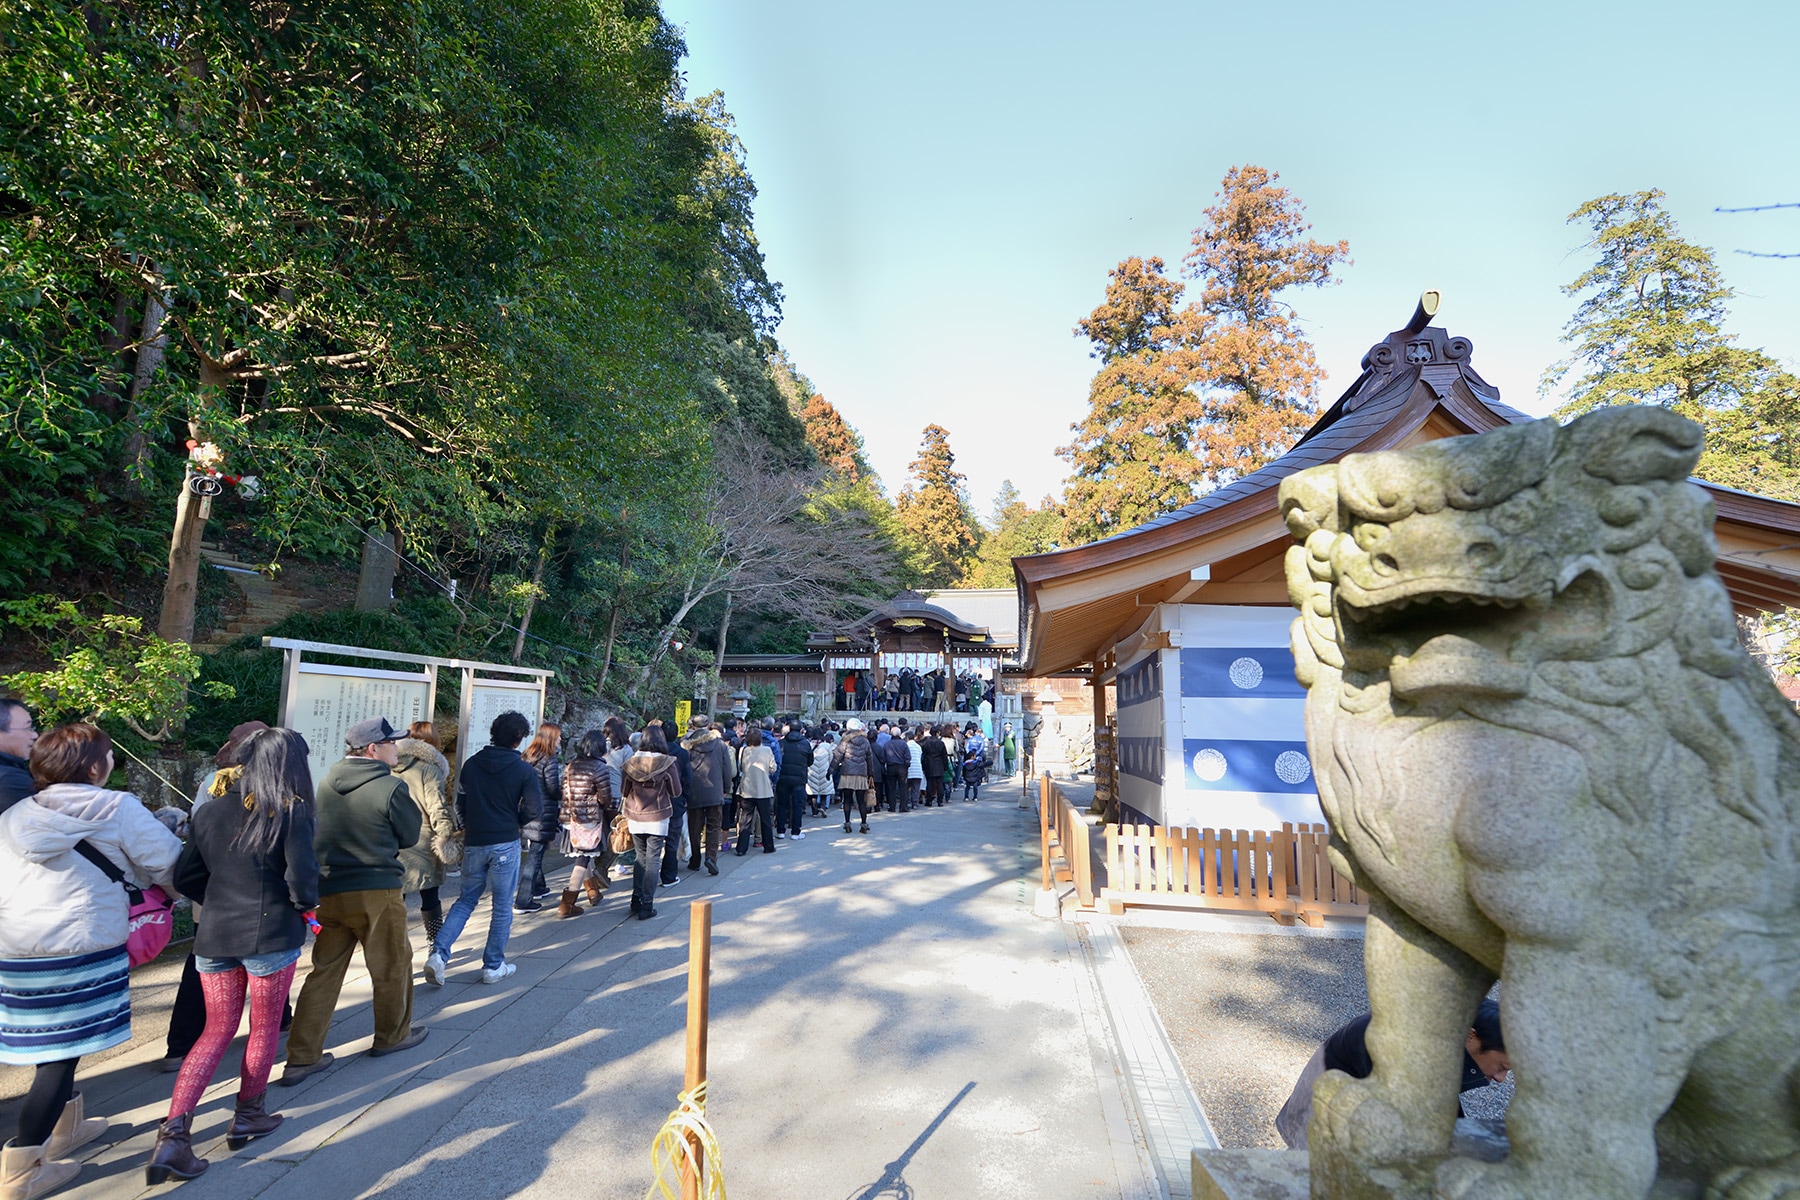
pixel 365 818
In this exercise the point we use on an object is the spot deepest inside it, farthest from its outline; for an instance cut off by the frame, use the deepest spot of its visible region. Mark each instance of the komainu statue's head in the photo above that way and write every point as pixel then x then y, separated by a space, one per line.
pixel 1460 565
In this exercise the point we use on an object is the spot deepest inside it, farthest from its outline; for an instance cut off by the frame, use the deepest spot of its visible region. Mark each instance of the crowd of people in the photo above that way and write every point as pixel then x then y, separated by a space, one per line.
pixel 265 857
pixel 909 690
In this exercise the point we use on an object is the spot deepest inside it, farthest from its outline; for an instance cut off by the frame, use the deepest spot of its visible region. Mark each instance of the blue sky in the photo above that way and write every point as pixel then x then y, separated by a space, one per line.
pixel 944 186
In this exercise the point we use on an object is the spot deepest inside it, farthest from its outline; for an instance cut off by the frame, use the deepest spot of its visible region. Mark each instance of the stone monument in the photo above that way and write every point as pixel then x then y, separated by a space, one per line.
pixel 1542 751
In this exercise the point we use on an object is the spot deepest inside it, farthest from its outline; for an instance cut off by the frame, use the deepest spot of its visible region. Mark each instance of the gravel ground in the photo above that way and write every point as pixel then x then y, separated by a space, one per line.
pixel 1244 1013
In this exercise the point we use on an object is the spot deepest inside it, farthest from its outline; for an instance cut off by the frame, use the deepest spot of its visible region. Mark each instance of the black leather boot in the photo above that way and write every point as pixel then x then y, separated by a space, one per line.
pixel 174 1152
pixel 250 1121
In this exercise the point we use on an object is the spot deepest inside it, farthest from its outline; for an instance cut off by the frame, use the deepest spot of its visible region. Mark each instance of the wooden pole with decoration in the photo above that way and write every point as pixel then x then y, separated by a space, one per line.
pixel 699 994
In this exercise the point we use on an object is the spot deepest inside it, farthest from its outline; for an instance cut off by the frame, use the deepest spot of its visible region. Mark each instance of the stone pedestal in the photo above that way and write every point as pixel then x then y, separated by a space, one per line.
pixel 1293 1175
pixel 1288 1174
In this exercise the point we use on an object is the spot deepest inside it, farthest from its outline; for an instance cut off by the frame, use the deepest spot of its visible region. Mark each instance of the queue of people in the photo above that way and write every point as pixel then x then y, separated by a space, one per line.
pixel 268 857
pixel 910 690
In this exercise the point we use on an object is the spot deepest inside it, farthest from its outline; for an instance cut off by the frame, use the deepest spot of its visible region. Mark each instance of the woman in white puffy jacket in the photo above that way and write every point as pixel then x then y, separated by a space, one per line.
pixel 64 971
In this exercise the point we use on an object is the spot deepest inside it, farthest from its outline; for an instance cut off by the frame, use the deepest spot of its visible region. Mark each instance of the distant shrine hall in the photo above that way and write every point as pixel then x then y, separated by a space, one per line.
pixel 970 634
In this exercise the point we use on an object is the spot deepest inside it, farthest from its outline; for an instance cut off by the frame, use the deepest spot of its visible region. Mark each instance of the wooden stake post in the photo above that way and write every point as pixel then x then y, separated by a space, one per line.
pixel 698 994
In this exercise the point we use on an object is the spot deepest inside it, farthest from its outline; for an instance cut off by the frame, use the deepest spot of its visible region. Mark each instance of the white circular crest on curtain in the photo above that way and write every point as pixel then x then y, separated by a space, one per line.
pixel 1209 765
pixel 1246 673
pixel 1291 766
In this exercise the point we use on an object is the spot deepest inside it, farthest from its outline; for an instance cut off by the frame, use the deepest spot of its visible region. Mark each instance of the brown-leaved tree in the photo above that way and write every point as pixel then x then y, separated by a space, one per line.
pixel 1189 398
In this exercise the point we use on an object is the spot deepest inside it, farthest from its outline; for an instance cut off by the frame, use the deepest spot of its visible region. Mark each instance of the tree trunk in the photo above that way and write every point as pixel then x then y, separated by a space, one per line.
pixel 612 625
pixel 191 512
pixel 718 671
pixel 375 586
pixel 537 580
pixel 662 639
pixel 153 341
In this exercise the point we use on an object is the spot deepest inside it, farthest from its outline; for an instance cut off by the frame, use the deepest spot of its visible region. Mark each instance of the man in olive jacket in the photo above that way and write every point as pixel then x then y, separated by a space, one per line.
pixel 709 783
pixel 365 817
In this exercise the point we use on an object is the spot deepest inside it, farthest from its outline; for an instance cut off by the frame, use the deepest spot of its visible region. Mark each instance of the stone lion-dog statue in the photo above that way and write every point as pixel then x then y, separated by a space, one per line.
pixel 1545 756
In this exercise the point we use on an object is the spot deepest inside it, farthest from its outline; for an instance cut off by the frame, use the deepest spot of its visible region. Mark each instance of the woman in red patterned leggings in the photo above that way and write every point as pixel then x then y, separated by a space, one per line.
pixel 250 862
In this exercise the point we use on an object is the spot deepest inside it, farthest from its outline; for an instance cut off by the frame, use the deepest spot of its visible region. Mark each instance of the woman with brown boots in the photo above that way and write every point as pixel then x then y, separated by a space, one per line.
pixel 588 807
pixel 250 860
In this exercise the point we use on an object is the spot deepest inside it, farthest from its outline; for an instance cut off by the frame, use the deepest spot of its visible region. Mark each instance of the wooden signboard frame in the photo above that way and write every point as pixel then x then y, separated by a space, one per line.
pixel 527 682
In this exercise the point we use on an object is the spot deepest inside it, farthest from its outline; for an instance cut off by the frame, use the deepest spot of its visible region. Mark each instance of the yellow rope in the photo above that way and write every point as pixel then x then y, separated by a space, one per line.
pixel 672 1149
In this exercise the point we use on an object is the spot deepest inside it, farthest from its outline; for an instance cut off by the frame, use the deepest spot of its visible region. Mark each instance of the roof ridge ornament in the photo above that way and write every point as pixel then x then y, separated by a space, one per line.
pixel 1417 345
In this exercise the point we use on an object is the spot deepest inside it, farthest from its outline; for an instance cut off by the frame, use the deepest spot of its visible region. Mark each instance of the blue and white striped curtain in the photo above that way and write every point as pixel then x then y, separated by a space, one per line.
pixel 1243 735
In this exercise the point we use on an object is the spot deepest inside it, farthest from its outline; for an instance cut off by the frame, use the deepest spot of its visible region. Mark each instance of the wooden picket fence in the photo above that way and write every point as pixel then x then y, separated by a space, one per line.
pixel 1066 841
pixel 1285 874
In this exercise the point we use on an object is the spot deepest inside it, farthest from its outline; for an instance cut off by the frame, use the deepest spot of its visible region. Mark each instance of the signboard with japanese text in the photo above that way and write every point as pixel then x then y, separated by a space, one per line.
pixel 324 701
pixel 485 699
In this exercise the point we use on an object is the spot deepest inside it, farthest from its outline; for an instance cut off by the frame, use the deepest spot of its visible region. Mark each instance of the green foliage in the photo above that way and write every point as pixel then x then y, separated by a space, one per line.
pixel 1015 529
pixel 465 270
pixel 107 667
pixel 1650 329
pixel 762 701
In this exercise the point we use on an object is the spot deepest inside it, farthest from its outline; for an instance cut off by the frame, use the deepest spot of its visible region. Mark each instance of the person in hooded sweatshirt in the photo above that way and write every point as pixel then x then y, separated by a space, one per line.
pixel 17 736
pixel 652 781
pixel 364 816
pixel 64 968
pixel 498 794
pixel 709 786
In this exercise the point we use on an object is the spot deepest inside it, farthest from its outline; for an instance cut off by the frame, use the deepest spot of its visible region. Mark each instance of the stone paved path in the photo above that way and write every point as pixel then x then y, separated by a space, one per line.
pixel 888 1021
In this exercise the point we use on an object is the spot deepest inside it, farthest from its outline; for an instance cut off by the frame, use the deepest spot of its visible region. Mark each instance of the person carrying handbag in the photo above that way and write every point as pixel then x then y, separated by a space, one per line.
pixel 652 781
pixel 588 807
pixel 64 928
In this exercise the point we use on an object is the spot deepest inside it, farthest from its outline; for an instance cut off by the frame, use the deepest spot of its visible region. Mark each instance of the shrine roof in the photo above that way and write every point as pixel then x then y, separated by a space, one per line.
pixel 1417 384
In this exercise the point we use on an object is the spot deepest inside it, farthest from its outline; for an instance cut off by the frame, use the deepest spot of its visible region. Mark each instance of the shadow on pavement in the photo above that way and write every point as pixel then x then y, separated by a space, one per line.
pixel 893 1180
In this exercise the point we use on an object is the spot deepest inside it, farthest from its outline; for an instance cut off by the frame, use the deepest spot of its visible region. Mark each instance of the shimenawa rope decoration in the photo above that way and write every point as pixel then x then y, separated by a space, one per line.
pixel 671 1150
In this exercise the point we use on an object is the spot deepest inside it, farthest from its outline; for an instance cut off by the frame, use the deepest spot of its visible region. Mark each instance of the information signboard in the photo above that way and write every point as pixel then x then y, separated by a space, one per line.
pixel 485 699
pixel 324 701
pixel 684 712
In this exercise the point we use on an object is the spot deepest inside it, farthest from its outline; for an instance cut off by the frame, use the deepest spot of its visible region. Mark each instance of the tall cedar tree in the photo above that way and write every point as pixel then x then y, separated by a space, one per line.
pixel 934 514
pixel 839 447
pixel 1133 455
pixel 1189 399
pixel 1650 329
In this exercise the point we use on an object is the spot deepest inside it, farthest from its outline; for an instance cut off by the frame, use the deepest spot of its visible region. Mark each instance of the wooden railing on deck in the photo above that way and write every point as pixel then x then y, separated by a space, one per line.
pixel 1285 874
pixel 1066 841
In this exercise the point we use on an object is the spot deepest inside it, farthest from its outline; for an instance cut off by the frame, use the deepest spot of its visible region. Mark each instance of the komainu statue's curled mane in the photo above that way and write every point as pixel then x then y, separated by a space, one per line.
pixel 1543 753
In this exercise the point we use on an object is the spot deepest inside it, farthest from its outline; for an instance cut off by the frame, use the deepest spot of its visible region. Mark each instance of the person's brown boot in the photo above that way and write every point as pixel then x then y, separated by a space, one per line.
pixel 566 907
pixel 250 1121
pixel 26 1174
pixel 174 1152
pixel 594 889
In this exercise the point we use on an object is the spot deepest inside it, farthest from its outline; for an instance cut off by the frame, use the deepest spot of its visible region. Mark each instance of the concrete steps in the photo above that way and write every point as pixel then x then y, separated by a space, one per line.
pixel 266 601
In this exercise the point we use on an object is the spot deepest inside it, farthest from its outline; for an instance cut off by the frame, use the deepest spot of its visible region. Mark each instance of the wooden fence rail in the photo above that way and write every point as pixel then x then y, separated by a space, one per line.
pixel 1285 874
pixel 1066 841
